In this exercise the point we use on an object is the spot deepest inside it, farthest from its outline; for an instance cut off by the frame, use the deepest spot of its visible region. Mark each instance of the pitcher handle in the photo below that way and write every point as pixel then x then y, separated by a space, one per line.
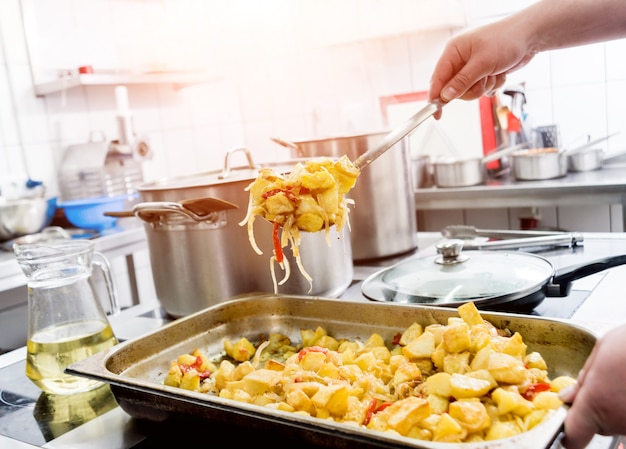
pixel 102 262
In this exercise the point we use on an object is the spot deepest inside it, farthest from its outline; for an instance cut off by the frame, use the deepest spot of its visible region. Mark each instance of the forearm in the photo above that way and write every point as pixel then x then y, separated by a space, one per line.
pixel 555 24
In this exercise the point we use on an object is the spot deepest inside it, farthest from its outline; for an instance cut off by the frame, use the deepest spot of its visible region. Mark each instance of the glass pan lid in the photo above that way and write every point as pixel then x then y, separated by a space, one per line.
pixel 478 275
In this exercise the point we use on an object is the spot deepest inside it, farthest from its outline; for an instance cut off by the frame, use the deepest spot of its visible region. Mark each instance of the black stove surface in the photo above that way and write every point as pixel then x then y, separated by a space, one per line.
pixel 31 416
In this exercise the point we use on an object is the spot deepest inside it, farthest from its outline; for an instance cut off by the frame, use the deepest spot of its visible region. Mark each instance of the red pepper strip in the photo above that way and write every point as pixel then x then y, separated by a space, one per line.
pixel 396 338
pixel 204 374
pixel 269 193
pixel 369 412
pixel 305 351
pixel 372 408
pixel 278 250
pixel 382 406
pixel 198 363
pixel 291 196
pixel 533 389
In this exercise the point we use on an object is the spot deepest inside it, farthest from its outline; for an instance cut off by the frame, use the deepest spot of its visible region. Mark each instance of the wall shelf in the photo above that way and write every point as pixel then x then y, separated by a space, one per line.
pixel 177 79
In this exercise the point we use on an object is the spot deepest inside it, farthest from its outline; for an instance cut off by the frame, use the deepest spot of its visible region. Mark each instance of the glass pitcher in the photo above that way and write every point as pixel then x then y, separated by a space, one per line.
pixel 66 319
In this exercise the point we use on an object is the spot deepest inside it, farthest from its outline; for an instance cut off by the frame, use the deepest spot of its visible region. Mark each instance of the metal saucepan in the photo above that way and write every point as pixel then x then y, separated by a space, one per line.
pixel 538 164
pixel 385 187
pixel 199 263
pixel 590 159
pixel 467 172
pixel 493 280
pixel 546 163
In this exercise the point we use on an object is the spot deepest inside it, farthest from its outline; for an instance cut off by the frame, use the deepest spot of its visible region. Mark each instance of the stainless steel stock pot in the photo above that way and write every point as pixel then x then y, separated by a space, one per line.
pixel 383 222
pixel 199 264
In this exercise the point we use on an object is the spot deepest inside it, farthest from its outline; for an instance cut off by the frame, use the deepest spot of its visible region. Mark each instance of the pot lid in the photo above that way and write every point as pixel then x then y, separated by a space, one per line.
pixel 453 277
pixel 229 174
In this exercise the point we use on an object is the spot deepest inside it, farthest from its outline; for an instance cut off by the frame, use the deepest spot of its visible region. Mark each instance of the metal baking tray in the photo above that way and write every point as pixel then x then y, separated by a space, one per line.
pixel 135 369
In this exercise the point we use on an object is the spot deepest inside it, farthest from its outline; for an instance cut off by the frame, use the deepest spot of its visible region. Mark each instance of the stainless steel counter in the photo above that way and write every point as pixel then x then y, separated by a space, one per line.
pixel 604 186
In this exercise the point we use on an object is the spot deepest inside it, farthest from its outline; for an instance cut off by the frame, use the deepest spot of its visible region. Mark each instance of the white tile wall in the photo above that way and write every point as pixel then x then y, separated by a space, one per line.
pixel 311 68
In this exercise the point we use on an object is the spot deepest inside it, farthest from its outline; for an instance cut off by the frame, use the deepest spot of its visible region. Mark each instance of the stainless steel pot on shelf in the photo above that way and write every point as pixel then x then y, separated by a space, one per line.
pixel 199 264
pixel 539 164
pixel 383 222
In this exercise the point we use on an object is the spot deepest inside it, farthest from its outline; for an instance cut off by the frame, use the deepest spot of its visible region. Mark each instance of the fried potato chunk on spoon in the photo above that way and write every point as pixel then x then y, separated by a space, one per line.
pixel 319 180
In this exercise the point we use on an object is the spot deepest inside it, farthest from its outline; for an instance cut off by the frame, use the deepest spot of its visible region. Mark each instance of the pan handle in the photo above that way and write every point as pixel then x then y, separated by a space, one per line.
pixel 562 280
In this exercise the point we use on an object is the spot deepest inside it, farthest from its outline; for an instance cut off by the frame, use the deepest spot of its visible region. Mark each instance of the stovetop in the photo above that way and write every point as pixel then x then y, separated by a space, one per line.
pixel 34 418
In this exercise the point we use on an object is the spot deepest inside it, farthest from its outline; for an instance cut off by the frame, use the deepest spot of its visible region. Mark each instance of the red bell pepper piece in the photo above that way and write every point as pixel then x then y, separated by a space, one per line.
pixel 372 408
pixel 278 249
pixel 534 389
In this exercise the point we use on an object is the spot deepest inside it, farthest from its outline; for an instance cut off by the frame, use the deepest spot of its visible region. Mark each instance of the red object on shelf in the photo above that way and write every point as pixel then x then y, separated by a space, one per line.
pixel 528 223
pixel 488 128
pixel 514 124
pixel 85 69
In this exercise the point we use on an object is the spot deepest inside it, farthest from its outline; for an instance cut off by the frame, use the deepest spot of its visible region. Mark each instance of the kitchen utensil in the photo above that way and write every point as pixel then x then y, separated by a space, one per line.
pixel 394 231
pixel 385 187
pixel 398 134
pixel 544 241
pixel 66 321
pixel 198 209
pixel 471 232
pixel 89 213
pixel 547 136
pixel 493 280
pixel 467 172
pixel 99 168
pixel 510 239
pixel 23 216
pixel 199 264
pixel 136 368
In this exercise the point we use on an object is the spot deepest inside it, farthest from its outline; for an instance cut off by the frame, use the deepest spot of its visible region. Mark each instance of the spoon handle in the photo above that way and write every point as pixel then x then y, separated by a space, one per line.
pixel 397 134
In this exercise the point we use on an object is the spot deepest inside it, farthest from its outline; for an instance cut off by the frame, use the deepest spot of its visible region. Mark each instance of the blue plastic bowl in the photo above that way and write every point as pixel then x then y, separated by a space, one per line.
pixel 88 213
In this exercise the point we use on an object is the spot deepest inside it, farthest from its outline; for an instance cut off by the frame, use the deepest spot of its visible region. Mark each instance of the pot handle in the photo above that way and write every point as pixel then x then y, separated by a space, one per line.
pixel 151 212
pixel 562 281
pixel 499 154
pixel 227 165
pixel 290 145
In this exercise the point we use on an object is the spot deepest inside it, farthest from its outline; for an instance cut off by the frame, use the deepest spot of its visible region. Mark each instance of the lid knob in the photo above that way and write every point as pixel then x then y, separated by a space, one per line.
pixel 450 251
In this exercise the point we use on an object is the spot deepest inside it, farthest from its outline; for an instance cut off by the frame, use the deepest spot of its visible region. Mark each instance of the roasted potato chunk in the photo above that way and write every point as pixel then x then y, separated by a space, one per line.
pixel 459 382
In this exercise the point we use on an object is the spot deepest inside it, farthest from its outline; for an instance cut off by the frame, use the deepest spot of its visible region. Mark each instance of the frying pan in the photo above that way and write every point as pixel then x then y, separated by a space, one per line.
pixel 494 280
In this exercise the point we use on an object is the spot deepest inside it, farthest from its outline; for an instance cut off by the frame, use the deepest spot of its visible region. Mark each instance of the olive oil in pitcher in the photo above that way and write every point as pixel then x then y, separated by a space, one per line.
pixel 66 320
pixel 50 351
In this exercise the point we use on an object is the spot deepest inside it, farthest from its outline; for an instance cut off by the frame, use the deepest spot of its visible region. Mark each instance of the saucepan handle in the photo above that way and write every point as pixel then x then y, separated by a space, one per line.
pixel 562 280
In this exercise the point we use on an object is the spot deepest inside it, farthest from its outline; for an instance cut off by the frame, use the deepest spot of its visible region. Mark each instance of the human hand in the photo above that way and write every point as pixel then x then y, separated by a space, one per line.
pixel 476 62
pixel 599 397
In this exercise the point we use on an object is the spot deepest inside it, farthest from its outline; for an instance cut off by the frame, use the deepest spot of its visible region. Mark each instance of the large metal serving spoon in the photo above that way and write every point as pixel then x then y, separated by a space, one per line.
pixel 398 134
pixel 388 141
